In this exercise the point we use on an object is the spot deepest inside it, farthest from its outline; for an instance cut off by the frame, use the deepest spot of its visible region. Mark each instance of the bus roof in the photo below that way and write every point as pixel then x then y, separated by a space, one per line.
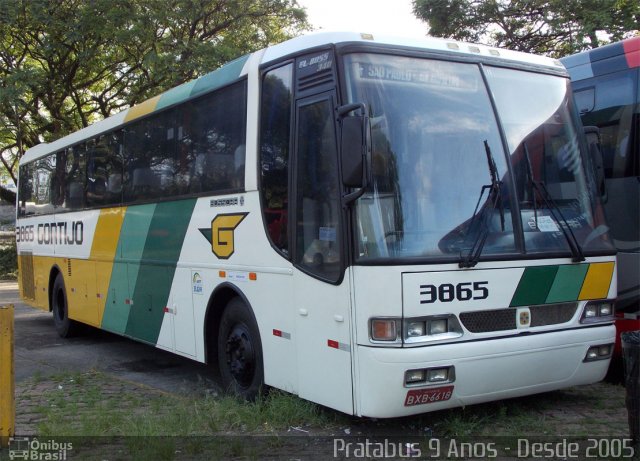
pixel 604 60
pixel 241 66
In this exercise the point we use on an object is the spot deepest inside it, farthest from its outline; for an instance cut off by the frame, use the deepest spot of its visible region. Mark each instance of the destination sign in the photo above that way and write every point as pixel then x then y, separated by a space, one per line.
pixel 424 76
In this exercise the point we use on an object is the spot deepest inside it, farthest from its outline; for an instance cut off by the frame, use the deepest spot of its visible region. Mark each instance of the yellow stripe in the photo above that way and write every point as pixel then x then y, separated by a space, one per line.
pixel 597 282
pixel 41 269
pixel 103 252
pixel 142 109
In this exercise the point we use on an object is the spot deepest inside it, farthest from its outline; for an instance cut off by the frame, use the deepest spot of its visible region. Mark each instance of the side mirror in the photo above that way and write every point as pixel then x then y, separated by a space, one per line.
pixel 592 134
pixel 353 151
pixel 355 147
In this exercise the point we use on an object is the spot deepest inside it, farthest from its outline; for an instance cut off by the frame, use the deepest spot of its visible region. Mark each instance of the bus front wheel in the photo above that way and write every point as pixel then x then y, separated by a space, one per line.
pixel 240 351
pixel 64 325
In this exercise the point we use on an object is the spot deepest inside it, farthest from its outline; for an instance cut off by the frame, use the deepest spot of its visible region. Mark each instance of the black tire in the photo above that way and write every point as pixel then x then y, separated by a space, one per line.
pixel 64 325
pixel 240 352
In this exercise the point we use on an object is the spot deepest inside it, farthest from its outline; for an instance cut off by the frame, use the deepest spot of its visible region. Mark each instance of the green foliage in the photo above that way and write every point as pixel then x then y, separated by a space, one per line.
pixel 8 262
pixel 67 63
pixel 552 27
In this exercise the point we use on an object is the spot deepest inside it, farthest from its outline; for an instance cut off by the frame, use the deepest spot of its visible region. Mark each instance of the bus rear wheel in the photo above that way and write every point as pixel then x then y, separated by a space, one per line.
pixel 63 324
pixel 240 351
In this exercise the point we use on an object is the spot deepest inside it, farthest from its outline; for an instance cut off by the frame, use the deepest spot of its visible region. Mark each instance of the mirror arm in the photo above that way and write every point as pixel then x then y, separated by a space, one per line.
pixel 344 110
pixel 351 197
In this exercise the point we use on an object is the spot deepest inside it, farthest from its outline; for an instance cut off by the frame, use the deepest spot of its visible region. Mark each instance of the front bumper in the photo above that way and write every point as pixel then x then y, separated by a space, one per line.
pixel 486 370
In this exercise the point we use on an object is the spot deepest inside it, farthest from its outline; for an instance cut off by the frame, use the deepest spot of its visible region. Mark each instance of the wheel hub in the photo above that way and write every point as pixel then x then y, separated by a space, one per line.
pixel 240 355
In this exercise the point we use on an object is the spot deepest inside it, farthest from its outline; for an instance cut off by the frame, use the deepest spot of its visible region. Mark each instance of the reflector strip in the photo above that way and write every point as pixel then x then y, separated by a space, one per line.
pixel 281 334
pixel 338 345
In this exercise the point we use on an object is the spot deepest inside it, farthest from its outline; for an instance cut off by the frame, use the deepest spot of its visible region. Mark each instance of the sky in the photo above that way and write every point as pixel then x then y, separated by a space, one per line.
pixel 390 16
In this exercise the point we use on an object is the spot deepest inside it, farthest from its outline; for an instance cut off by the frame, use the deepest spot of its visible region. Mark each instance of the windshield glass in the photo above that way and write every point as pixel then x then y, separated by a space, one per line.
pixel 547 161
pixel 434 136
pixel 429 123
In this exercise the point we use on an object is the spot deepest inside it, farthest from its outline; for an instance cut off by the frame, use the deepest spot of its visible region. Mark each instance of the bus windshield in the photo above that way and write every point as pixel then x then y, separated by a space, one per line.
pixel 442 186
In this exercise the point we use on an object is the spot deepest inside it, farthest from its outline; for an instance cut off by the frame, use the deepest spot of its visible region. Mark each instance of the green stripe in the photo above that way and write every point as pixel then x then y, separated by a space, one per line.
pixel 176 95
pixel 159 260
pixel 534 286
pixel 218 78
pixel 568 283
pixel 133 235
pixel 226 74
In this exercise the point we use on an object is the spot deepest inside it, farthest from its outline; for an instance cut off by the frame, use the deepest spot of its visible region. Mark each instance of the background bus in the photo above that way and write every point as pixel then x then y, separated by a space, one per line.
pixel 383 226
pixel 606 85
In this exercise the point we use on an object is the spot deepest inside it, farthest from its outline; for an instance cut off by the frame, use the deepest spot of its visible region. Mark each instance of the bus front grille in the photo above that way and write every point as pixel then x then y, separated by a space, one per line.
pixel 26 276
pixel 505 319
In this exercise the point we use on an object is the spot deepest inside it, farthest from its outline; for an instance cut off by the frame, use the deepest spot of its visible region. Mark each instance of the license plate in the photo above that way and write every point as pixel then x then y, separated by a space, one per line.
pixel 424 396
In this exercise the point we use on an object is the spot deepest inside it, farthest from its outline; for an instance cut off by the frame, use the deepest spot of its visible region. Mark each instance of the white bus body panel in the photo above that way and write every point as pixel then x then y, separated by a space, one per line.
pixel 485 370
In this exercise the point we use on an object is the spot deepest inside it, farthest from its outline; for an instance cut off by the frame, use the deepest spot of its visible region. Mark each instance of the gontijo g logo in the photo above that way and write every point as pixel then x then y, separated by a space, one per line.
pixel 221 234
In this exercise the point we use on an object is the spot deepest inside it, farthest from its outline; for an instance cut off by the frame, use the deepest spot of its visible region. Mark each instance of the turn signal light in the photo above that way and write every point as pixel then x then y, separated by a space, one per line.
pixel 384 329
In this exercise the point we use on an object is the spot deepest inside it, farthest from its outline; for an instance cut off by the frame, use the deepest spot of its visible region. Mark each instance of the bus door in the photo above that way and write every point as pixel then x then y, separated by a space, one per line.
pixel 321 292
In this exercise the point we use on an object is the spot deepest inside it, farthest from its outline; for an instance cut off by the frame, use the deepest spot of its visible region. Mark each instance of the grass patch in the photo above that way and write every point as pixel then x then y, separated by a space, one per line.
pixel 75 404
pixel 161 426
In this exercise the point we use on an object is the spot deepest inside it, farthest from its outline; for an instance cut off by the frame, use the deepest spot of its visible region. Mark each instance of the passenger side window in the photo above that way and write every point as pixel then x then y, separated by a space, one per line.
pixel 275 139
pixel 212 142
pixel 318 234
pixel 74 177
pixel 104 170
pixel 149 146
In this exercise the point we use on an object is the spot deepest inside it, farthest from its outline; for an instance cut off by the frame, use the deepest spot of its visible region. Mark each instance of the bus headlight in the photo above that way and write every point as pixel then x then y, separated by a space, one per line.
pixel 605 309
pixel 597 311
pixel 436 375
pixel 600 352
pixel 427 376
pixel 414 377
pixel 413 331
pixel 438 326
pixel 432 328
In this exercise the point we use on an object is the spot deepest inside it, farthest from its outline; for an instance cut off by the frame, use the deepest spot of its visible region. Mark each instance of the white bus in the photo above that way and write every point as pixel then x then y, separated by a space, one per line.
pixel 382 226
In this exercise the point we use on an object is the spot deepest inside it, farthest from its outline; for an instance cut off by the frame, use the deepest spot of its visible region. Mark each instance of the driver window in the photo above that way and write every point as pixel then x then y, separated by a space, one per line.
pixel 318 211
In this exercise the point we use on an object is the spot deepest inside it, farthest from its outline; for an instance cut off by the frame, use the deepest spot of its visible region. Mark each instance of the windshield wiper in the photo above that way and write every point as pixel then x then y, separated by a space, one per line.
pixel 494 199
pixel 554 209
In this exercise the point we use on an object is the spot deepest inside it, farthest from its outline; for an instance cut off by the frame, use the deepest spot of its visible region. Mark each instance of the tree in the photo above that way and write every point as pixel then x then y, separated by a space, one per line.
pixel 552 27
pixel 67 63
